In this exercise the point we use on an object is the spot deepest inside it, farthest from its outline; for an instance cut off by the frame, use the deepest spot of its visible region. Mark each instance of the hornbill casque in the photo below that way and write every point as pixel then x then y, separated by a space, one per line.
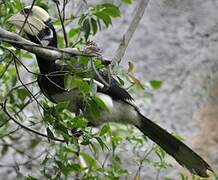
pixel 119 103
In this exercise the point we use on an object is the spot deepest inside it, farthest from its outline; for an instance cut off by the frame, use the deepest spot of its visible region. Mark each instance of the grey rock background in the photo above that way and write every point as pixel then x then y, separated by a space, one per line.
pixel 176 42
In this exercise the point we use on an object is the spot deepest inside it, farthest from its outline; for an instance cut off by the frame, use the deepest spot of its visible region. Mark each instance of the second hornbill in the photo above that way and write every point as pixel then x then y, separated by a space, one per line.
pixel 120 109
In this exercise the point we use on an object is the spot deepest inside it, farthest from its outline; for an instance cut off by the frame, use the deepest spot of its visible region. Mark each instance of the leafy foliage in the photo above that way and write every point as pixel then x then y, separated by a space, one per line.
pixel 92 21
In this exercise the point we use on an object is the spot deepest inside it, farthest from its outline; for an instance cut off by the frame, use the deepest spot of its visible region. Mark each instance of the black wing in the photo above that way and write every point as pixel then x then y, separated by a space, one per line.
pixel 115 91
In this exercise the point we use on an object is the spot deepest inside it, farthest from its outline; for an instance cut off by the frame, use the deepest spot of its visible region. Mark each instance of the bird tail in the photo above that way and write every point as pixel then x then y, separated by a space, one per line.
pixel 177 149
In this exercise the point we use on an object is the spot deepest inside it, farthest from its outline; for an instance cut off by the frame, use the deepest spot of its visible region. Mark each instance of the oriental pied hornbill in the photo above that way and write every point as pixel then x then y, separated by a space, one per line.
pixel 118 101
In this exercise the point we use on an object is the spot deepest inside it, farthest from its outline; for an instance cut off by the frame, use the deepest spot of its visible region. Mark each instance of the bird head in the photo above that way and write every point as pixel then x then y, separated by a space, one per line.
pixel 36 23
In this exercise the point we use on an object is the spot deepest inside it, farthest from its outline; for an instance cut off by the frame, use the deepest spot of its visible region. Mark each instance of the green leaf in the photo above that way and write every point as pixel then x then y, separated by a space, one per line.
pixel 60 40
pixel 47 117
pixel 74 168
pixel 94 26
pixel 127 1
pixel 86 28
pixel 86 141
pixel 30 178
pixel 61 106
pixel 69 150
pixel 102 144
pixel 23 93
pixel 92 109
pixel 104 17
pixel 45 160
pixel 155 84
pixel 82 18
pixel 73 32
pixel 134 80
pixel 57 23
pixel 82 85
pixel 89 160
pixel 116 139
pixel 120 81
pixel 34 143
pixel 160 152
pixel 49 133
pixel 27 55
pixel 61 167
pixel 80 122
pixel 4 149
pixel 131 67
pixel 1 68
pixel 105 129
pixel 110 9
pixel 161 165
pixel 61 129
pixel 69 82
pixel 99 23
pixel 18 5
pixel 183 177
pixel 72 82
pixel 100 104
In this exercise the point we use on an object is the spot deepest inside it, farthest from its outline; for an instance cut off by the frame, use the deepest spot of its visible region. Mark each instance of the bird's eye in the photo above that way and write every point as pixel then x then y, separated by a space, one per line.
pixel 25 11
pixel 47 31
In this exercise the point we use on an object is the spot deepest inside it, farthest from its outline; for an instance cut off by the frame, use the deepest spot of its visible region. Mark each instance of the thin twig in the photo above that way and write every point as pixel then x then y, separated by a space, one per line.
pixel 54 83
pixel 9 133
pixel 26 18
pixel 63 10
pixel 25 127
pixel 14 55
pixel 3 58
pixel 6 68
pixel 12 118
pixel 141 6
pixel 62 23
pixel 23 84
pixel 105 159
pixel 52 74
pixel 98 75
pixel 12 146
pixel 26 104
pixel 146 154
pixel 24 163
pixel 18 75
pixel 75 15
pixel 16 113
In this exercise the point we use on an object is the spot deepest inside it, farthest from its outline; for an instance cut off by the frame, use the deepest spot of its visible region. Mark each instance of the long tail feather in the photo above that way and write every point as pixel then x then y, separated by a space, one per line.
pixel 177 149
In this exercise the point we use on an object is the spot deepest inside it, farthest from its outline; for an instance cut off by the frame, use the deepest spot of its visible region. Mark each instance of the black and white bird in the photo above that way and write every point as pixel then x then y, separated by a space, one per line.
pixel 118 101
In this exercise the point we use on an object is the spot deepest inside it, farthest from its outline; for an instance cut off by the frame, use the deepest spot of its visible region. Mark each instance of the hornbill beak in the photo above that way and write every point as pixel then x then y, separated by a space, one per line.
pixel 36 21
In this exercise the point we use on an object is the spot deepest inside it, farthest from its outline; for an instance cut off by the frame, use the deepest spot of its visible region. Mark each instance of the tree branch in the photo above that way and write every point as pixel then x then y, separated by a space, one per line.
pixel 140 9
pixel 50 53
